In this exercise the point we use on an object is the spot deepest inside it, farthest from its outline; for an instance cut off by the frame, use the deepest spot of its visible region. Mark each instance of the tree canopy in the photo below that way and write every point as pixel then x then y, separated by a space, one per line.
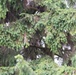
pixel 38 30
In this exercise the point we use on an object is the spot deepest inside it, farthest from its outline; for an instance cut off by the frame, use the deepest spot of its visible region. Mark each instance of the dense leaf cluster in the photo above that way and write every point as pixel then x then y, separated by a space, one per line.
pixel 44 66
pixel 51 26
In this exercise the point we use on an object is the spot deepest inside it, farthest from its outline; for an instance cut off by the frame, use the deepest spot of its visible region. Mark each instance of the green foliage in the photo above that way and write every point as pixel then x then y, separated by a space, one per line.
pixel 22 67
pixel 11 36
pixel 6 70
pixel 7 56
pixel 43 66
pixel 52 4
pixel 73 61
pixel 64 19
pixel 60 21
pixel 3 9
pixel 52 23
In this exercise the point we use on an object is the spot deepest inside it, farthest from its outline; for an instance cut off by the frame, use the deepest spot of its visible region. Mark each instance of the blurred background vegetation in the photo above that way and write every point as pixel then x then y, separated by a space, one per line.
pixel 33 32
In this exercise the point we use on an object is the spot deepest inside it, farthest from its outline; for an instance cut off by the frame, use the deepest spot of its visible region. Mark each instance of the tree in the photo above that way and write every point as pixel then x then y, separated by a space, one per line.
pixel 43 27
